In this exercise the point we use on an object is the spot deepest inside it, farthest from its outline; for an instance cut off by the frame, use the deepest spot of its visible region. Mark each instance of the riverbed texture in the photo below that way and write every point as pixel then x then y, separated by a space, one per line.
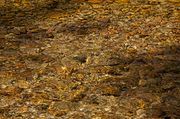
pixel 89 59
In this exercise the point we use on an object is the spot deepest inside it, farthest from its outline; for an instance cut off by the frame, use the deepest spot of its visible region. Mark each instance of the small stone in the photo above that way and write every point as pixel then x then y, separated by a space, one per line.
pixel 3 86
pixel 49 35
pixel 2 2
pixel 153 81
pixel 22 84
pixel 23 109
pixel 108 109
pixel 20 15
pixel 167 86
pixel 175 1
pixel 9 90
pixel 140 111
pixel 10 36
pixel 80 58
pixel 60 108
pixel 142 82
pixel 6 101
pixel 122 1
pixel 141 114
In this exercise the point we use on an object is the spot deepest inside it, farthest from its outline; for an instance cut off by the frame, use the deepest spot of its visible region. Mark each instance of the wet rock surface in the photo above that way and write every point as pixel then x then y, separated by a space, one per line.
pixel 90 60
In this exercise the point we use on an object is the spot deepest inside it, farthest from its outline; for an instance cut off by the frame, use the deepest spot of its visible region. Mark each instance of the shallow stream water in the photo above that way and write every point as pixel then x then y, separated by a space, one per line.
pixel 89 59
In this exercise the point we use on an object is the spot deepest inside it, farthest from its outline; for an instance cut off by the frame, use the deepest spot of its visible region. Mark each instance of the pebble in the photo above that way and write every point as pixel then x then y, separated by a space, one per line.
pixel 3 86
pixel 141 114
pixel 2 2
pixel 80 58
pixel 142 82
pixel 10 36
pixel 22 84
pixel 140 111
